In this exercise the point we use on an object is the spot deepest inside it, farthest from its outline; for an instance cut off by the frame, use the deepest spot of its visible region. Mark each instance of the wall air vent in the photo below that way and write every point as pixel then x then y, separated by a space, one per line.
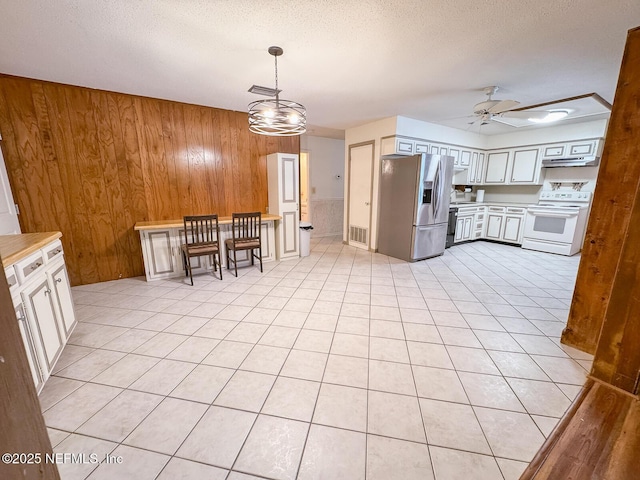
pixel 266 91
pixel 358 234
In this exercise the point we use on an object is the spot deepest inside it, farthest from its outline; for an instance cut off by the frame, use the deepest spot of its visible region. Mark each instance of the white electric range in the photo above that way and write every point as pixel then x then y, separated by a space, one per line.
pixel 557 223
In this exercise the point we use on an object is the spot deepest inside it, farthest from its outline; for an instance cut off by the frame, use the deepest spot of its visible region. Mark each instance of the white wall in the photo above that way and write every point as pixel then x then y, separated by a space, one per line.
pixel 326 164
pixel 439 133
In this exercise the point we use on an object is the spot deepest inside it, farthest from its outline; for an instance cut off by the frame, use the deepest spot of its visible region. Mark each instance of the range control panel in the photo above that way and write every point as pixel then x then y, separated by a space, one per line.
pixel 556 196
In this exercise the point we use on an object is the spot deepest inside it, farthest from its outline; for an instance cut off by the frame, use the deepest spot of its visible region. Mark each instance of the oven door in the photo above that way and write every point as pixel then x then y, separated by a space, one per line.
pixel 550 223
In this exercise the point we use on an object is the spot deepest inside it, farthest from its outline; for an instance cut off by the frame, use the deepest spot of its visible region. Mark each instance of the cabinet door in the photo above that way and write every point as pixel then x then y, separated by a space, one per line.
pixel 29 344
pixel 63 298
pixel 479 168
pixel 455 153
pixel 525 167
pixel 459 229
pixel 161 260
pixel 587 147
pixel 468 227
pixel 465 158
pixel 38 299
pixel 512 229
pixel 422 147
pixel 494 226
pixel 497 167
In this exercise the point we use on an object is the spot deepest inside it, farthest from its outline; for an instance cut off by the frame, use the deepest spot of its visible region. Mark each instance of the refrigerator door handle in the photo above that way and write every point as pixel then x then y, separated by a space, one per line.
pixel 436 188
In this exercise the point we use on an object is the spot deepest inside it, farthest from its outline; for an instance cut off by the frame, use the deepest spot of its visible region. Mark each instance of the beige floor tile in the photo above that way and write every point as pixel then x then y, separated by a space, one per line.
pixel 498 341
pixel 518 365
pixel 179 469
pixel 355 310
pixel 128 341
pixel 203 384
pixel 55 389
pixel 76 408
pixel 218 437
pixel 305 365
pixel 56 436
pixel 247 332
pixel 159 321
pixel 448 319
pixel 429 355
pixel 511 469
pixel 511 435
pixel 422 333
pixel 216 328
pixel 391 377
pixel 91 365
pixel 396 416
pixel 160 345
pixel 518 325
pixel 163 377
pixel 136 464
pixel 413 315
pixel 353 325
pixel 261 315
pixel 540 398
pixel 545 424
pixel 167 426
pixel 562 370
pixel 453 425
pixel 352 345
pixel 277 336
pixel 461 337
pixel 349 371
pixel 538 345
pixel 228 354
pixel 193 349
pixel 342 407
pixel 332 453
pixel 490 391
pixel 288 318
pixel 451 464
pixel 273 448
pixel 292 398
pixel 233 312
pixel 265 359
pixel 388 349
pixel 387 329
pixel 120 416
pixel 314 341
pixel 483 322
pixel 439 384
pixel 391 459
pixel 472 360
pixel 187 325
pixel 81 444
pixel 246 391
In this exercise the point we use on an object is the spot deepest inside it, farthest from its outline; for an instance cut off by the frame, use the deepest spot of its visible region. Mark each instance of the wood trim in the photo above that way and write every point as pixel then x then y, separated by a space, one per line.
pixel 595 96
pixel 21 422
pixel 91 163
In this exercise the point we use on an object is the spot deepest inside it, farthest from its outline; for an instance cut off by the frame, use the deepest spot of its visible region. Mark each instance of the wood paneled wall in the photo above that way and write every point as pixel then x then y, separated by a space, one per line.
pixel 91 164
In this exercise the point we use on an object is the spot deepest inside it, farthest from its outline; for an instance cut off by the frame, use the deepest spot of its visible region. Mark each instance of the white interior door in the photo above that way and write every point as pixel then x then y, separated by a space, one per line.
pixel 360 186
pixel 305 204
pixel 8 215
pixel 289 199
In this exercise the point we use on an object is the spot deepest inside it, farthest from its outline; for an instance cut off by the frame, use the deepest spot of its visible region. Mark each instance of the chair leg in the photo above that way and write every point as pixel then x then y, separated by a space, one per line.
pixel 190 272
pixel 184 264
pixel 235 262
pixel 228 259
pixel 219 264
pixel 260 257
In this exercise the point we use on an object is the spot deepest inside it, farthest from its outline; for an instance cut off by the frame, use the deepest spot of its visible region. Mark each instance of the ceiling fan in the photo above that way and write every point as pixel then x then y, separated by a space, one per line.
pixel 492 109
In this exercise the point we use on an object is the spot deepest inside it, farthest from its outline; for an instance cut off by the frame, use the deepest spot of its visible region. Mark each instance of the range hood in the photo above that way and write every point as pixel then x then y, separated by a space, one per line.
pixel 586 161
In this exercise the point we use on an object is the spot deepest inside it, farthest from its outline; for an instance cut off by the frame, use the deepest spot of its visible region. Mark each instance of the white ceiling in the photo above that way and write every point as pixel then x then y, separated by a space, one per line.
pixel 348 61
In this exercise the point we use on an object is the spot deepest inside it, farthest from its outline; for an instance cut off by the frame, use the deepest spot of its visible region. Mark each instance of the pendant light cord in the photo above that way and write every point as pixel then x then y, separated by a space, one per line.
pixel 277 92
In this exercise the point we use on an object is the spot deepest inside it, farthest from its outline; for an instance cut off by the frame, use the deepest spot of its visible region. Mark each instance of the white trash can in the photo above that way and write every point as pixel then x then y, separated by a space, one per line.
pixel 305 238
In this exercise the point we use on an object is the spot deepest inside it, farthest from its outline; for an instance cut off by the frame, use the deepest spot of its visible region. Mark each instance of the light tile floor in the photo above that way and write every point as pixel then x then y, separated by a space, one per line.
pixel 340 365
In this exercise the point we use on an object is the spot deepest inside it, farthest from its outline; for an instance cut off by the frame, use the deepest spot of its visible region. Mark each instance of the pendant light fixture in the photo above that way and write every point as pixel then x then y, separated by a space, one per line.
pixel 274 116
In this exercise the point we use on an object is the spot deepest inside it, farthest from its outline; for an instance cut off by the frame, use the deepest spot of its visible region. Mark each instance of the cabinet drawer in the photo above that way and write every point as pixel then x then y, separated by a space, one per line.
pixel 585 148
pixel 52 251
pixel 12 279
pixel 496 209
pixel 28 266
pixel 518 211
pixel 467 210
pixel 554 151
pixel 422 147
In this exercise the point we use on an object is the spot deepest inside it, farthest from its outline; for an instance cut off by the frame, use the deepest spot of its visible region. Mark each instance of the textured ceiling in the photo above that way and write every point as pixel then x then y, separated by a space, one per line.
pixel 348 61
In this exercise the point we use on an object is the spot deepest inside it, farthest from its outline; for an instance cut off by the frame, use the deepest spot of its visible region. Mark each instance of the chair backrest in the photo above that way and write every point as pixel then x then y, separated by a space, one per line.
pixel 246 226
pixel 201 229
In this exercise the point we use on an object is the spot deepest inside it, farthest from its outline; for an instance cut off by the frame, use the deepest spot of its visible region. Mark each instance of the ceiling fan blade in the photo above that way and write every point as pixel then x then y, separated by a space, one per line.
pixel 525 115
pixel 502 106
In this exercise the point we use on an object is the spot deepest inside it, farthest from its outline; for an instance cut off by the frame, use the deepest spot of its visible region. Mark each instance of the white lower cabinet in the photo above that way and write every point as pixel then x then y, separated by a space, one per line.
pixel 512 229
pixel 44 308
pixel 494 225
pixel 504 224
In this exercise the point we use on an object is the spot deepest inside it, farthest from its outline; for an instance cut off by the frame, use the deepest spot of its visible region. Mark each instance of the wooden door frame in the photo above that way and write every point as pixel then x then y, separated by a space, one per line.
pixel 348 189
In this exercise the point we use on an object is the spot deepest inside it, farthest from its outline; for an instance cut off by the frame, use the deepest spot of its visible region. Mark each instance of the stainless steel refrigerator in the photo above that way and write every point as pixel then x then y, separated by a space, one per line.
pixel 414 206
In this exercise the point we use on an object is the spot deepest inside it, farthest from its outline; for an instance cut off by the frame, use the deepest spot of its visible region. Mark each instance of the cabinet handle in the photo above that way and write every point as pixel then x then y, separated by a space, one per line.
pixel 21 318
pixel 58 280
pixel 56 251
pixel 37 264
pixel 47 291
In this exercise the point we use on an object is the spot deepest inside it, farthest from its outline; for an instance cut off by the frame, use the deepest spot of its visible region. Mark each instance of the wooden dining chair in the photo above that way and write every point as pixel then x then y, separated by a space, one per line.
pixel 201 237
pixel 245 231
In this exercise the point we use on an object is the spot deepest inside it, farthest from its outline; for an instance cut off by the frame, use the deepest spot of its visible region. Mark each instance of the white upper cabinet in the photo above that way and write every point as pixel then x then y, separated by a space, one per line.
pixel 525 167
pixel 497 167
pixel 398 146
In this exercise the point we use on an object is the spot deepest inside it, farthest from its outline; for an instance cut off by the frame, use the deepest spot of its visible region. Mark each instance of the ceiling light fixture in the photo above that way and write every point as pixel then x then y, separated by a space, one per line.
pixel 552 116
pixel 274 116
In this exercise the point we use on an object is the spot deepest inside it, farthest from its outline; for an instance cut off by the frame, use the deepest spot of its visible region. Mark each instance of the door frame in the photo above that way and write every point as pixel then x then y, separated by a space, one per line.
pixel 348 190
pixel 307 153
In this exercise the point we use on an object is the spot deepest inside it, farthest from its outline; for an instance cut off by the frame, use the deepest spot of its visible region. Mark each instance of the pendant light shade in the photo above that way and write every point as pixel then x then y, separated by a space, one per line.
pixel 275 116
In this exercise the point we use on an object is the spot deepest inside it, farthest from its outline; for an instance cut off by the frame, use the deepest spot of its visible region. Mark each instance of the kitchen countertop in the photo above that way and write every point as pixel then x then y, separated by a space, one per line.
pixel 14 248
pixel 484 204
pixel 157 224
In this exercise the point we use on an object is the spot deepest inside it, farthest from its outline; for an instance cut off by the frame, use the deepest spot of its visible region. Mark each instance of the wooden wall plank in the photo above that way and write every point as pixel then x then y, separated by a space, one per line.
pixel 92 163
pixel 614 198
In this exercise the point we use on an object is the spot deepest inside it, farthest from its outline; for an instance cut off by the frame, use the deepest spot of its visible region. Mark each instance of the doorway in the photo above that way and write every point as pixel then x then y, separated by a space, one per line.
pixel 359 195
pixel 305 202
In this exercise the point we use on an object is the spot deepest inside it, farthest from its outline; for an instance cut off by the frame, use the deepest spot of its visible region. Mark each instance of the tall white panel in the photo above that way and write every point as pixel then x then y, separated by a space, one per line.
pixel 283 171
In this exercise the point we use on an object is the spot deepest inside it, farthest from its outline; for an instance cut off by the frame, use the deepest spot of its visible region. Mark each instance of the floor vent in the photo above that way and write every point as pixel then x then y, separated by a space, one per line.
pixel 358 234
